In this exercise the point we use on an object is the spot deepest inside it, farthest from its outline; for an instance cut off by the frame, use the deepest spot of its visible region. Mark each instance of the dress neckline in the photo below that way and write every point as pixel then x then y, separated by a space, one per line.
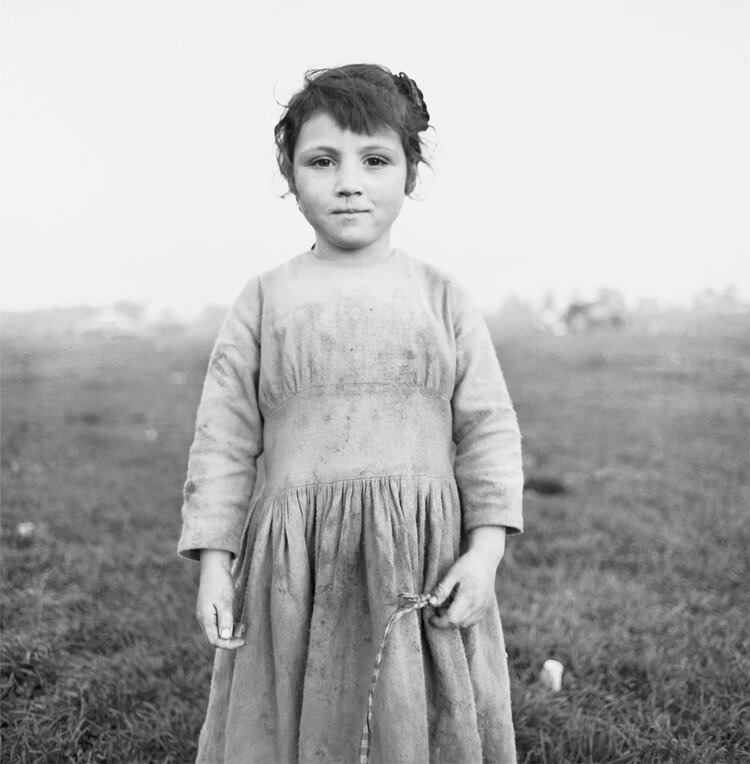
pixel 353 262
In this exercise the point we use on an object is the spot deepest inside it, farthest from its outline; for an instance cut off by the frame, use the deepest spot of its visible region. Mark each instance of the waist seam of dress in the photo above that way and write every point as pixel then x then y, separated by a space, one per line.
pixel 419 388
pixel 362 479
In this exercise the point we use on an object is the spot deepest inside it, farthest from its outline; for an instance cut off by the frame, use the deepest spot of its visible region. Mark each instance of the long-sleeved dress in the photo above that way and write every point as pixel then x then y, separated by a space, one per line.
pixel 373 392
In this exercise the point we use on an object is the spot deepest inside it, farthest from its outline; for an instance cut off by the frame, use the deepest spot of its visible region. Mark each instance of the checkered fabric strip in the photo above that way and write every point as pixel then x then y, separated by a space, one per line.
pixel 409 602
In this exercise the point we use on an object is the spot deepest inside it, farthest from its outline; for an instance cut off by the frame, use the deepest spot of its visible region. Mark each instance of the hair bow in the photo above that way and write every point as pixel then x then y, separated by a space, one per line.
pixel 408 87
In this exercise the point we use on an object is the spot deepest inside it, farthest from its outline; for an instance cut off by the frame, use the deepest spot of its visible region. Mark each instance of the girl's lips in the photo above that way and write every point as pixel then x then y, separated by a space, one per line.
pixel 348 212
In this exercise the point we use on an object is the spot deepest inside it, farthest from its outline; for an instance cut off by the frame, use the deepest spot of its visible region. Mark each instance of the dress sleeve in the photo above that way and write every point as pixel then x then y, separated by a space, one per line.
pixel 487 463
pixel 228 435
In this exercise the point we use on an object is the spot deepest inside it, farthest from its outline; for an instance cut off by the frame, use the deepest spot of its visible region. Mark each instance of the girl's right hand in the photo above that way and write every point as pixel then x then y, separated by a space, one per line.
pixel 215 595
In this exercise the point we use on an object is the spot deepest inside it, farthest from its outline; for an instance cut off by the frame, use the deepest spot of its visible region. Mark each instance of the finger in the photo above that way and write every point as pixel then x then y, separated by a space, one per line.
pixel 229 644
pixel 443 590
pixel 224 621
pixel 207 620
pixel 474 613
pixel 442 622
pixel 209 624
pixel 448 621
pixel 226 644
pixel 462 609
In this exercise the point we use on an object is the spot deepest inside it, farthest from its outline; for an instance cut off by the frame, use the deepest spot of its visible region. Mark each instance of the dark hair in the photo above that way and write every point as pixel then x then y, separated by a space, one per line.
pixel 363 98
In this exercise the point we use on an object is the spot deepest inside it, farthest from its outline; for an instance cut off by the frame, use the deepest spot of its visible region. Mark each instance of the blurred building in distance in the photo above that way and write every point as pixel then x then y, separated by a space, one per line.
pixel 607 310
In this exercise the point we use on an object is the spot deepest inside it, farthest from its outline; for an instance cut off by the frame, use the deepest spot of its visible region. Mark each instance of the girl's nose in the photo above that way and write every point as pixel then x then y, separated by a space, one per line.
pixel 348 182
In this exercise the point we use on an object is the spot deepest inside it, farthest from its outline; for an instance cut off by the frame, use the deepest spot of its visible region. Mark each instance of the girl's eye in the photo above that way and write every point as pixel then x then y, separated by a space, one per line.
pixel 375 161
pixel 321 162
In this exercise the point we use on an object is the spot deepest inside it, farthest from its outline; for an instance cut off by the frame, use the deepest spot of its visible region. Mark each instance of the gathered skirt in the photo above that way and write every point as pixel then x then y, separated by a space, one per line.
pixel 319 573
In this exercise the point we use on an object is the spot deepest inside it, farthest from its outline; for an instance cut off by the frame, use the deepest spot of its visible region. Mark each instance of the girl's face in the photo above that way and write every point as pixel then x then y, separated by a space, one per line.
pixel 349 186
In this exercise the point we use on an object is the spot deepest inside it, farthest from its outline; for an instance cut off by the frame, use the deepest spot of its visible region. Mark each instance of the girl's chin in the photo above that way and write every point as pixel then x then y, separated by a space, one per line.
pixel 352 244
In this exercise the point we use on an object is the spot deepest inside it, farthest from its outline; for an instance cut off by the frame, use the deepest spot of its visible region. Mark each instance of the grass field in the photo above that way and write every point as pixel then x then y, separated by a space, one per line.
pixel 636 578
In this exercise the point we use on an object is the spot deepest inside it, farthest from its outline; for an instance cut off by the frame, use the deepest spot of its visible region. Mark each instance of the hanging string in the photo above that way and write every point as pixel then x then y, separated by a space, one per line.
pixel 408 603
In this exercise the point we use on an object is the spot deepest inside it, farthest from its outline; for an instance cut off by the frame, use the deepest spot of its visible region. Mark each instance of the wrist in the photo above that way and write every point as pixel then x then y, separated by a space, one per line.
pixel 212 559
pixel 489 541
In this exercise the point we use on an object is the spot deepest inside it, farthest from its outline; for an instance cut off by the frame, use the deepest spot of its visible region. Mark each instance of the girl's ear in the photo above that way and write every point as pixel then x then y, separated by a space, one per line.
pixel 411 178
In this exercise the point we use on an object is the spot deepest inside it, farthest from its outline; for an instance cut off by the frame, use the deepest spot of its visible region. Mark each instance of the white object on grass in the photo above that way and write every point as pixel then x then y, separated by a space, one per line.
pixel 551 675
pixel 25 531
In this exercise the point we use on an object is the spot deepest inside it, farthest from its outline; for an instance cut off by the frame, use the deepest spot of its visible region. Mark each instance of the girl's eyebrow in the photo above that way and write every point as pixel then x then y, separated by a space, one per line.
pixel 316 149
pixel 377 147
pixel 336 152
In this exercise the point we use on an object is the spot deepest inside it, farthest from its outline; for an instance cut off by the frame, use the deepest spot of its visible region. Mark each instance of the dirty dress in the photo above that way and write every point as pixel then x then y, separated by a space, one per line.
pixel 374 395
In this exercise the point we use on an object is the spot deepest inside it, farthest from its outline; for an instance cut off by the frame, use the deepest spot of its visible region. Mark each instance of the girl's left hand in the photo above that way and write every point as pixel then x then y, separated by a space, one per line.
pixel 467 590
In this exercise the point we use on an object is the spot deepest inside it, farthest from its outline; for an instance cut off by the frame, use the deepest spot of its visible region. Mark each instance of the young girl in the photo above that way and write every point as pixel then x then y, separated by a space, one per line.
pixel 392 465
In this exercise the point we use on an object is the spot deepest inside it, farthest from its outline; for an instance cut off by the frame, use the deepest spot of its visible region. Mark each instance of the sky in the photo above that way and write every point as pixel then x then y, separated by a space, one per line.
pixel 577 144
